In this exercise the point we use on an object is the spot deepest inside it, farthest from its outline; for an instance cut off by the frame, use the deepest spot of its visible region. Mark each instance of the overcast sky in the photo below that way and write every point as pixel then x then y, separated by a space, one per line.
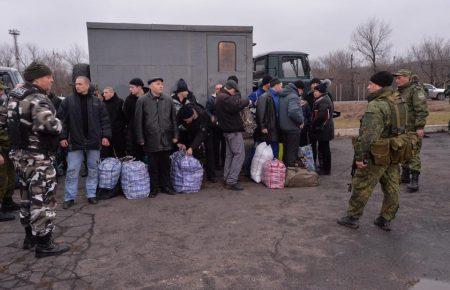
pixel 315 26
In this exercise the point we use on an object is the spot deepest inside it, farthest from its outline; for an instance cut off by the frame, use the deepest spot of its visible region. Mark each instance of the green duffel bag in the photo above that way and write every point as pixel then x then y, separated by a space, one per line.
pixel 301 177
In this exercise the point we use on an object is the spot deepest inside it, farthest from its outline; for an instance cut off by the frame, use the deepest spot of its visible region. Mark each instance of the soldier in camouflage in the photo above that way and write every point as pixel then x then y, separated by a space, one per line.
pixel 376 124
pixel 33 130
pixel 415 97
pixel 7 173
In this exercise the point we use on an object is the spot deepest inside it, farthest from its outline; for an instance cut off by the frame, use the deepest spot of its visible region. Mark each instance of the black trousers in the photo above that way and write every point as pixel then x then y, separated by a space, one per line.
pixel 324 155
pixel 210 162
pixel 218 146
pixel 305 136
pixel 159 169
pixel 291 142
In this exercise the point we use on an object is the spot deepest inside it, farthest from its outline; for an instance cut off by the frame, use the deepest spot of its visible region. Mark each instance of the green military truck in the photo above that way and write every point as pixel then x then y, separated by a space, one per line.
pixel 288 66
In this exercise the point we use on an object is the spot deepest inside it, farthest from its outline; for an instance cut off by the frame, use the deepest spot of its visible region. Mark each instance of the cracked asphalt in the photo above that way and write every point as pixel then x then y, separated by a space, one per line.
pixel 255 239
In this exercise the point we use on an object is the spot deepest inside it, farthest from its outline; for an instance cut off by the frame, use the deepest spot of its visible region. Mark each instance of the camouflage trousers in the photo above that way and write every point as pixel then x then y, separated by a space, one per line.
pixel 7 178
pixel 37 178
pixel 414 163
pixel 363 183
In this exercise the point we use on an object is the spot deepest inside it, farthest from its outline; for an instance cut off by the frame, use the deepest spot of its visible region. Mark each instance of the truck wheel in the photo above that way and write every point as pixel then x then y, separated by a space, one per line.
pixel 81 69
pixel 440 97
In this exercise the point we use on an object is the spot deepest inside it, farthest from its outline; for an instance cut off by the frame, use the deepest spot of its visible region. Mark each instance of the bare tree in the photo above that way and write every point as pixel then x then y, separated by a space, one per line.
pixel 7 57
pixel 371 40
pixel 75 55
pixel 433 59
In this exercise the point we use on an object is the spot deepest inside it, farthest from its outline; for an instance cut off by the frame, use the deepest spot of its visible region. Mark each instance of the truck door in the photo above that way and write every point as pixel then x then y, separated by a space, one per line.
pixel 227 55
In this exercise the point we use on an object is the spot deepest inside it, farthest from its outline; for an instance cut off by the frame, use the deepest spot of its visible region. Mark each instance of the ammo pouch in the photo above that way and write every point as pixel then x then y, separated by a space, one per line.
pixel 380 152
pixel 403 147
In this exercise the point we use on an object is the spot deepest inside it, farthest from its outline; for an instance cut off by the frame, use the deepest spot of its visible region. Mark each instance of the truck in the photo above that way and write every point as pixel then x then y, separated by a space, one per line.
pixel 203 55
pixel 10 77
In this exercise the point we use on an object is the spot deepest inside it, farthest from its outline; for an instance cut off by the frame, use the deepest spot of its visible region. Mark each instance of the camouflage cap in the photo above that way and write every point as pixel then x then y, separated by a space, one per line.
pixel 403 72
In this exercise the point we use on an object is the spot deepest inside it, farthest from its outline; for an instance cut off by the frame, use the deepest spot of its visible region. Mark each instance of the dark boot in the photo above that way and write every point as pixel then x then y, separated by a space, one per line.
pixel 349 221
pixel 30 240
pixel 5 217
pixel 383 223
pixel 46 247
pixel 405 175
pixel 413 186
pixel 9 205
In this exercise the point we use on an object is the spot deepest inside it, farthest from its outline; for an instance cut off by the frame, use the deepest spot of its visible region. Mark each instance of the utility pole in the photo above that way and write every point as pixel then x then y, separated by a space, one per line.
pixel 15 33
pixel 352 76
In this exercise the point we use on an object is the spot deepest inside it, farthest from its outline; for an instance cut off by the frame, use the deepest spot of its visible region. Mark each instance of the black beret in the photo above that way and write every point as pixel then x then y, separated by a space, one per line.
pixel 382 78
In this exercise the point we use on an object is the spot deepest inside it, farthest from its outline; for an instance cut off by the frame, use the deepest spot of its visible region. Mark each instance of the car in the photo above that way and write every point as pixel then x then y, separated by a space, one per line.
pixel 435 93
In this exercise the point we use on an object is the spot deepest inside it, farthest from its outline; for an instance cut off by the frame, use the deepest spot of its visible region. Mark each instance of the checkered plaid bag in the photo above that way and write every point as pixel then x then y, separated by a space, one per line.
pixel 186 172
pixel 135 180
pixel 109 173
pixel 274 174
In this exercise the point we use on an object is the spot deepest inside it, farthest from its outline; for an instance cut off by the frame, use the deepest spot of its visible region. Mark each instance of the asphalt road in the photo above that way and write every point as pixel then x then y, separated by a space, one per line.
pixel 255 239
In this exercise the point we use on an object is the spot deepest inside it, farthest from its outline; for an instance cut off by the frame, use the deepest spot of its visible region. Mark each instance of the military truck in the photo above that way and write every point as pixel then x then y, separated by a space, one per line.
pixel 288 66
pixel 10 77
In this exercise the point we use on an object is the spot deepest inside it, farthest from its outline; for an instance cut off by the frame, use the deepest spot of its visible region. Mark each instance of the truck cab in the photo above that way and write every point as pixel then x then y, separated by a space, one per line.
pixel 10 77
pixel 288 66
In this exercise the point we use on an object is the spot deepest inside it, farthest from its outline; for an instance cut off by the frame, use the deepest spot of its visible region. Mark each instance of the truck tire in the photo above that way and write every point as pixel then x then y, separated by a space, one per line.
pixel 440 97
pixel 81 69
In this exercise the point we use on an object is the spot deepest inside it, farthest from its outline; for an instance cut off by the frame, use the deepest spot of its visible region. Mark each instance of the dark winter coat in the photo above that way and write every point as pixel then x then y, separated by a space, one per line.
pixel 156 122
pixel 117 120
pixel 290 112
pixel 228 110
pixel 266 118
pixel 198 130
pixel 98 123
pixel 322 127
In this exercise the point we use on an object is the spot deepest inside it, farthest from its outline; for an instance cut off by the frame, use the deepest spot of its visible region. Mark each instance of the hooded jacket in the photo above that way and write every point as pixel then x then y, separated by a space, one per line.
pixel 98 123
pixel 290 112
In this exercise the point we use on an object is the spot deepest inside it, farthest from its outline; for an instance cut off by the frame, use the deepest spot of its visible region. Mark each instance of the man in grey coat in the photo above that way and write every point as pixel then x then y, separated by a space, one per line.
pixel 291 122
pixel 157 132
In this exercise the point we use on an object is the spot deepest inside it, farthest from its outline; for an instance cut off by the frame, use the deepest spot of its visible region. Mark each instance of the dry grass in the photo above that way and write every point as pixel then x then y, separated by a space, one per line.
pixel 351 113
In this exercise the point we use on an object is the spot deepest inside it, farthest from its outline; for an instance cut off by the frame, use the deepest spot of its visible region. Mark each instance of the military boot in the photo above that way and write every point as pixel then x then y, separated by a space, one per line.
pixel 30 240
pixel 349 221
pixel 405 175
pixel 383 223
pixel 46 247
pixel 413 186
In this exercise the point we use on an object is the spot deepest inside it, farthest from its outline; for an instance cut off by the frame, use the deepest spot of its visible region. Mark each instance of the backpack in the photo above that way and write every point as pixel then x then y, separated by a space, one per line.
pixel 263 153
pixel 301 177
pixel 186 172
pixel 135 180
pixel 273 174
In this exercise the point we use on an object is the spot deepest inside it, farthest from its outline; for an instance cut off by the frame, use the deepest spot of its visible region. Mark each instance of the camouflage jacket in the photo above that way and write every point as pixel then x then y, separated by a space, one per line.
pixel 416 102
pixel 375 123
pixel 4 140
pixel 32 122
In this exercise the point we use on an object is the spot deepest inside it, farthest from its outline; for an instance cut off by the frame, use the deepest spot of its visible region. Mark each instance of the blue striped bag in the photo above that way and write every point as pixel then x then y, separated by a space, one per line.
pixel 109 173
pixel 186 172
pixel 135 180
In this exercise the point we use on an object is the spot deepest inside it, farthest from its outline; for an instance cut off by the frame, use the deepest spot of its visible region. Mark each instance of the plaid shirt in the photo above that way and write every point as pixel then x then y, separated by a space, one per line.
pixel 135 180
pixel 274 174
pixel 186 173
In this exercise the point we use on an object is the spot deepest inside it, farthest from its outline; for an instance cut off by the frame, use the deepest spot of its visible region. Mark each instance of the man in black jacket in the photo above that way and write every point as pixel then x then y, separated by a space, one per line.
pixel 228 107
pixel 86 127
pixel 114 105
pixel 137 90
pixel 198 127
pixel 157 131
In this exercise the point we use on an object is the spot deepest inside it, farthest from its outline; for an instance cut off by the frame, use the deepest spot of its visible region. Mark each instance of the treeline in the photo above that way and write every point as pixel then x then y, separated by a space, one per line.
pixel 370 50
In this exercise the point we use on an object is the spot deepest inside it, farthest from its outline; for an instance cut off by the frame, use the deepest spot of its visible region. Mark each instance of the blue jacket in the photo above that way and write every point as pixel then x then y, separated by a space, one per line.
pixel 253 97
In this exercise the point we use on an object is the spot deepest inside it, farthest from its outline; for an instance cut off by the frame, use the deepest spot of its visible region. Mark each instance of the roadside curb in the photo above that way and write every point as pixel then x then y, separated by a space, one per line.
pixel 353 132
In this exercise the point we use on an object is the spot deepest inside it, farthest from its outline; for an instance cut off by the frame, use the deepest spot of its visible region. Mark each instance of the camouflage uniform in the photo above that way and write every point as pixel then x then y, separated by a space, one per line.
pixel 375 124
pixel 33 129
pixel 415 97
pixel 7 173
